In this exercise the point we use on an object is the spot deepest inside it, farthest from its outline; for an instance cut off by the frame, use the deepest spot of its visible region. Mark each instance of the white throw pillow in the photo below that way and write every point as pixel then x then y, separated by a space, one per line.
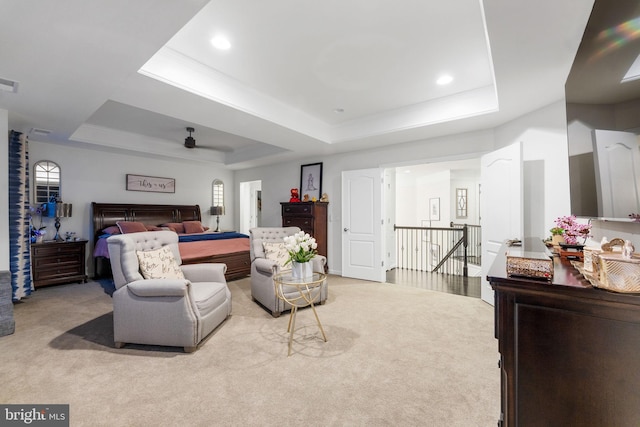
pixel 159 264
pixel 276 251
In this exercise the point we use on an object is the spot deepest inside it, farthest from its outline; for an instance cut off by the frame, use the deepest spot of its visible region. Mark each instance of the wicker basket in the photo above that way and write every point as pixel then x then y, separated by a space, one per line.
pixel 588 258
pixel 616 273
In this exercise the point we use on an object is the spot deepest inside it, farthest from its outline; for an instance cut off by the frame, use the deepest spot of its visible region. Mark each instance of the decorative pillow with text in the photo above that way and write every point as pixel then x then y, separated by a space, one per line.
pixel 276 251
pixel 159 264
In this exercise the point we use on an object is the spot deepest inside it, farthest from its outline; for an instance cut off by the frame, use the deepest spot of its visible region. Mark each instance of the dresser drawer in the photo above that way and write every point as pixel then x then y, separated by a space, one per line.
pixel 54 249
pixel 299 209
pixel 58 272
pixel 62 258
pixel 305 224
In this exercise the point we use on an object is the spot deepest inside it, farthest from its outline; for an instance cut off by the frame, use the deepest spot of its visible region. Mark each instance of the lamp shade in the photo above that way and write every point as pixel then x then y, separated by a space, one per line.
pixel 217 210
pixel 63 210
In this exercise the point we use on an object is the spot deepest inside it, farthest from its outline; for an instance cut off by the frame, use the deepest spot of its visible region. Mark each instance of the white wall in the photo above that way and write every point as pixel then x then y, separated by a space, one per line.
pixel 543 134
pixel 4 194
pixel 436 186
pixel 96 176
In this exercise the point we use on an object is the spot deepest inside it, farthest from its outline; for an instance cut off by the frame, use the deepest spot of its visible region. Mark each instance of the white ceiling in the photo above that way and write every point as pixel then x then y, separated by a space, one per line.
pixel 132 75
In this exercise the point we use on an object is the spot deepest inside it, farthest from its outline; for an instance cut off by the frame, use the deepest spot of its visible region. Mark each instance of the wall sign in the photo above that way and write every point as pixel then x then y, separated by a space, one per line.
pixel 150 183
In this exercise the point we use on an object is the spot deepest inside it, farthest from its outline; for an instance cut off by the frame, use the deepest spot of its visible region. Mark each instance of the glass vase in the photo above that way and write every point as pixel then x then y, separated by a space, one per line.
pixel 301 270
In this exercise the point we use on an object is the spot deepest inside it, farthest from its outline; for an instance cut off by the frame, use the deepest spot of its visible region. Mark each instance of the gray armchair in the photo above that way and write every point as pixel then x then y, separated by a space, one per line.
pixel 170 312
pixel 263 269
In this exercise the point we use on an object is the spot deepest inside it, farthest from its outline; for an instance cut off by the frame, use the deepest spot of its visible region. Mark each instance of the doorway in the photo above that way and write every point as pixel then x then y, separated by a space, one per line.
pixel 250 205
pixel 417 189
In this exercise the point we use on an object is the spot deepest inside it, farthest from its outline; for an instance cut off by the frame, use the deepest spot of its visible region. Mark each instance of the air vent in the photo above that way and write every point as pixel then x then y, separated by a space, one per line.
pixel 39 132
pixel 8 85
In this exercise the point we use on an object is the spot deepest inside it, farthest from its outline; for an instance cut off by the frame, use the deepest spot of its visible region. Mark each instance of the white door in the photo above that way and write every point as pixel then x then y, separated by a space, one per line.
pixel 500 206
pixel 249 209
pixel 617 188
pixel 362 242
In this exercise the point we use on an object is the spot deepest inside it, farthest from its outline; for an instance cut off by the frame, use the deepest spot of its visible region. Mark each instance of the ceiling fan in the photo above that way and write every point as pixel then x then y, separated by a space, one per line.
pixel 190 142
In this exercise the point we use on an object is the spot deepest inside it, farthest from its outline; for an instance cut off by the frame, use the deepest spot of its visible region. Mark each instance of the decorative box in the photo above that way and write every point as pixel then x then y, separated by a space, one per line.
pixel 529 260
pixel 616 273
pixel 588 257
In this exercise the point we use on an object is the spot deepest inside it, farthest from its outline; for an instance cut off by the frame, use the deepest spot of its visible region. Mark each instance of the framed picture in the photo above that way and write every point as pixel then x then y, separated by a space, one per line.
pixel 151 184
pixel 311 181
pixel 434 209
pixel 461 202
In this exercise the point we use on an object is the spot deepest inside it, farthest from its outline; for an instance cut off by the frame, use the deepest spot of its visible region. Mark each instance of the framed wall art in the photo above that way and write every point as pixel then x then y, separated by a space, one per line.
pixel 461 202
pixel 311 181
pixel 150 183
pixel 434 209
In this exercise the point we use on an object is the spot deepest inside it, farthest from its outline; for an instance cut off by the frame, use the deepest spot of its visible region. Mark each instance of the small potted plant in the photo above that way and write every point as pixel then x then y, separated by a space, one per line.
pixel 573 233
pixel 556 236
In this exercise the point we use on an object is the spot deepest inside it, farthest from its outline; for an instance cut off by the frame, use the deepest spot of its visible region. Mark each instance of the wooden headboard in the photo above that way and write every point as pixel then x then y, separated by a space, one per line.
pixel 106 214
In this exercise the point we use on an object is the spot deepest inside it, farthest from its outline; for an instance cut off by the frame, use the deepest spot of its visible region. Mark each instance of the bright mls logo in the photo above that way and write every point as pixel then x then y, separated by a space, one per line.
pixel 34 415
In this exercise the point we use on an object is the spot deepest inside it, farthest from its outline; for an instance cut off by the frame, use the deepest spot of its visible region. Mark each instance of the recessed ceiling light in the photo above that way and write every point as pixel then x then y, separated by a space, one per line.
pixel 221 42
pixel 444 80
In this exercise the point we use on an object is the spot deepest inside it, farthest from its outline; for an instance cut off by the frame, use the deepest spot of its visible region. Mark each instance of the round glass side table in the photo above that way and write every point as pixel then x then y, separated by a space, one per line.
pixel 299 293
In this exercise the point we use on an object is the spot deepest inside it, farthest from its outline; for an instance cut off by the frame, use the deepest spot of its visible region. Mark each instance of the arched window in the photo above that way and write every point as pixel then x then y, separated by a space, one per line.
pixel 46 179
pixel 218 193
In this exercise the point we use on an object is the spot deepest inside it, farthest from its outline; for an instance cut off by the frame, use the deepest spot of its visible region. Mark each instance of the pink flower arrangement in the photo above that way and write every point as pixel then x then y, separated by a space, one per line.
pixel 572 229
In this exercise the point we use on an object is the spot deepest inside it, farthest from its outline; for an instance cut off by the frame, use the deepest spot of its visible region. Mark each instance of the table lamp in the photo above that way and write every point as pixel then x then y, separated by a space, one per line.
pixel 63 210
pixel 217 211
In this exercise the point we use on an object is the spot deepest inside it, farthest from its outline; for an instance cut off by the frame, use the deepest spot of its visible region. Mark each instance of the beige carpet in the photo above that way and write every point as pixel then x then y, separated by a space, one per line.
pixel 395 356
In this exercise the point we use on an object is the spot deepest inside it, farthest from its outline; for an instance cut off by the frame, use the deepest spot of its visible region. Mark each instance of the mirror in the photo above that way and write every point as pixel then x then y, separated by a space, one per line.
pixel 218 193
pixel 46 180
pixel 600 97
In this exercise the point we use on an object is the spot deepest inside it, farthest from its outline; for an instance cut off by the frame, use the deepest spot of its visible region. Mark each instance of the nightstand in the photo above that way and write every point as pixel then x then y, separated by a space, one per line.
pixel 53 262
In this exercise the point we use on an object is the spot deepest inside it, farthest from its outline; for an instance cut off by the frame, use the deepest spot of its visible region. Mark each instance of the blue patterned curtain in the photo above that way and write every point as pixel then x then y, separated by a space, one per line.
pixel 19 216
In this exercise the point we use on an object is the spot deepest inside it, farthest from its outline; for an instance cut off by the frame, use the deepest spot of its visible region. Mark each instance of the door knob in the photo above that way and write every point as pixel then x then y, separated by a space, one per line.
pixel 346 229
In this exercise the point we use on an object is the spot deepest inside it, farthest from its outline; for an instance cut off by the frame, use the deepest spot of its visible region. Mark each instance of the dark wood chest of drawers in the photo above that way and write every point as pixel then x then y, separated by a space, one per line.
pixel 568 351
pixel 53 263
pixel 311 218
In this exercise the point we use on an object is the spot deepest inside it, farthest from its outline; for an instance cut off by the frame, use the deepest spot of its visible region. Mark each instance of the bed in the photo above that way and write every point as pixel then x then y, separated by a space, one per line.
pixel 229 248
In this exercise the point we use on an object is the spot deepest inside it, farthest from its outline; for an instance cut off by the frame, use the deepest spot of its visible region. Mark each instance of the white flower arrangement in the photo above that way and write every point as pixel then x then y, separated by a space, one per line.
pixel 301 247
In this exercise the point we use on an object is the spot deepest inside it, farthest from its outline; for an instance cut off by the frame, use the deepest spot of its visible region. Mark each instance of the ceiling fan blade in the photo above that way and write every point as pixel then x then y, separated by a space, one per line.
pixel 222 148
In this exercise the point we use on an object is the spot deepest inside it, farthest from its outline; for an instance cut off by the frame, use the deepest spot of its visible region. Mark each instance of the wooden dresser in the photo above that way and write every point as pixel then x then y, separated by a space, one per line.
pixel 569 353
pixel 311 218
pixel 53 263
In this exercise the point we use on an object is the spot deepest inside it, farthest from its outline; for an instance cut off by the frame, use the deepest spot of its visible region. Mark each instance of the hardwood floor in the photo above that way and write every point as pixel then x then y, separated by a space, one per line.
pixel 466 286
